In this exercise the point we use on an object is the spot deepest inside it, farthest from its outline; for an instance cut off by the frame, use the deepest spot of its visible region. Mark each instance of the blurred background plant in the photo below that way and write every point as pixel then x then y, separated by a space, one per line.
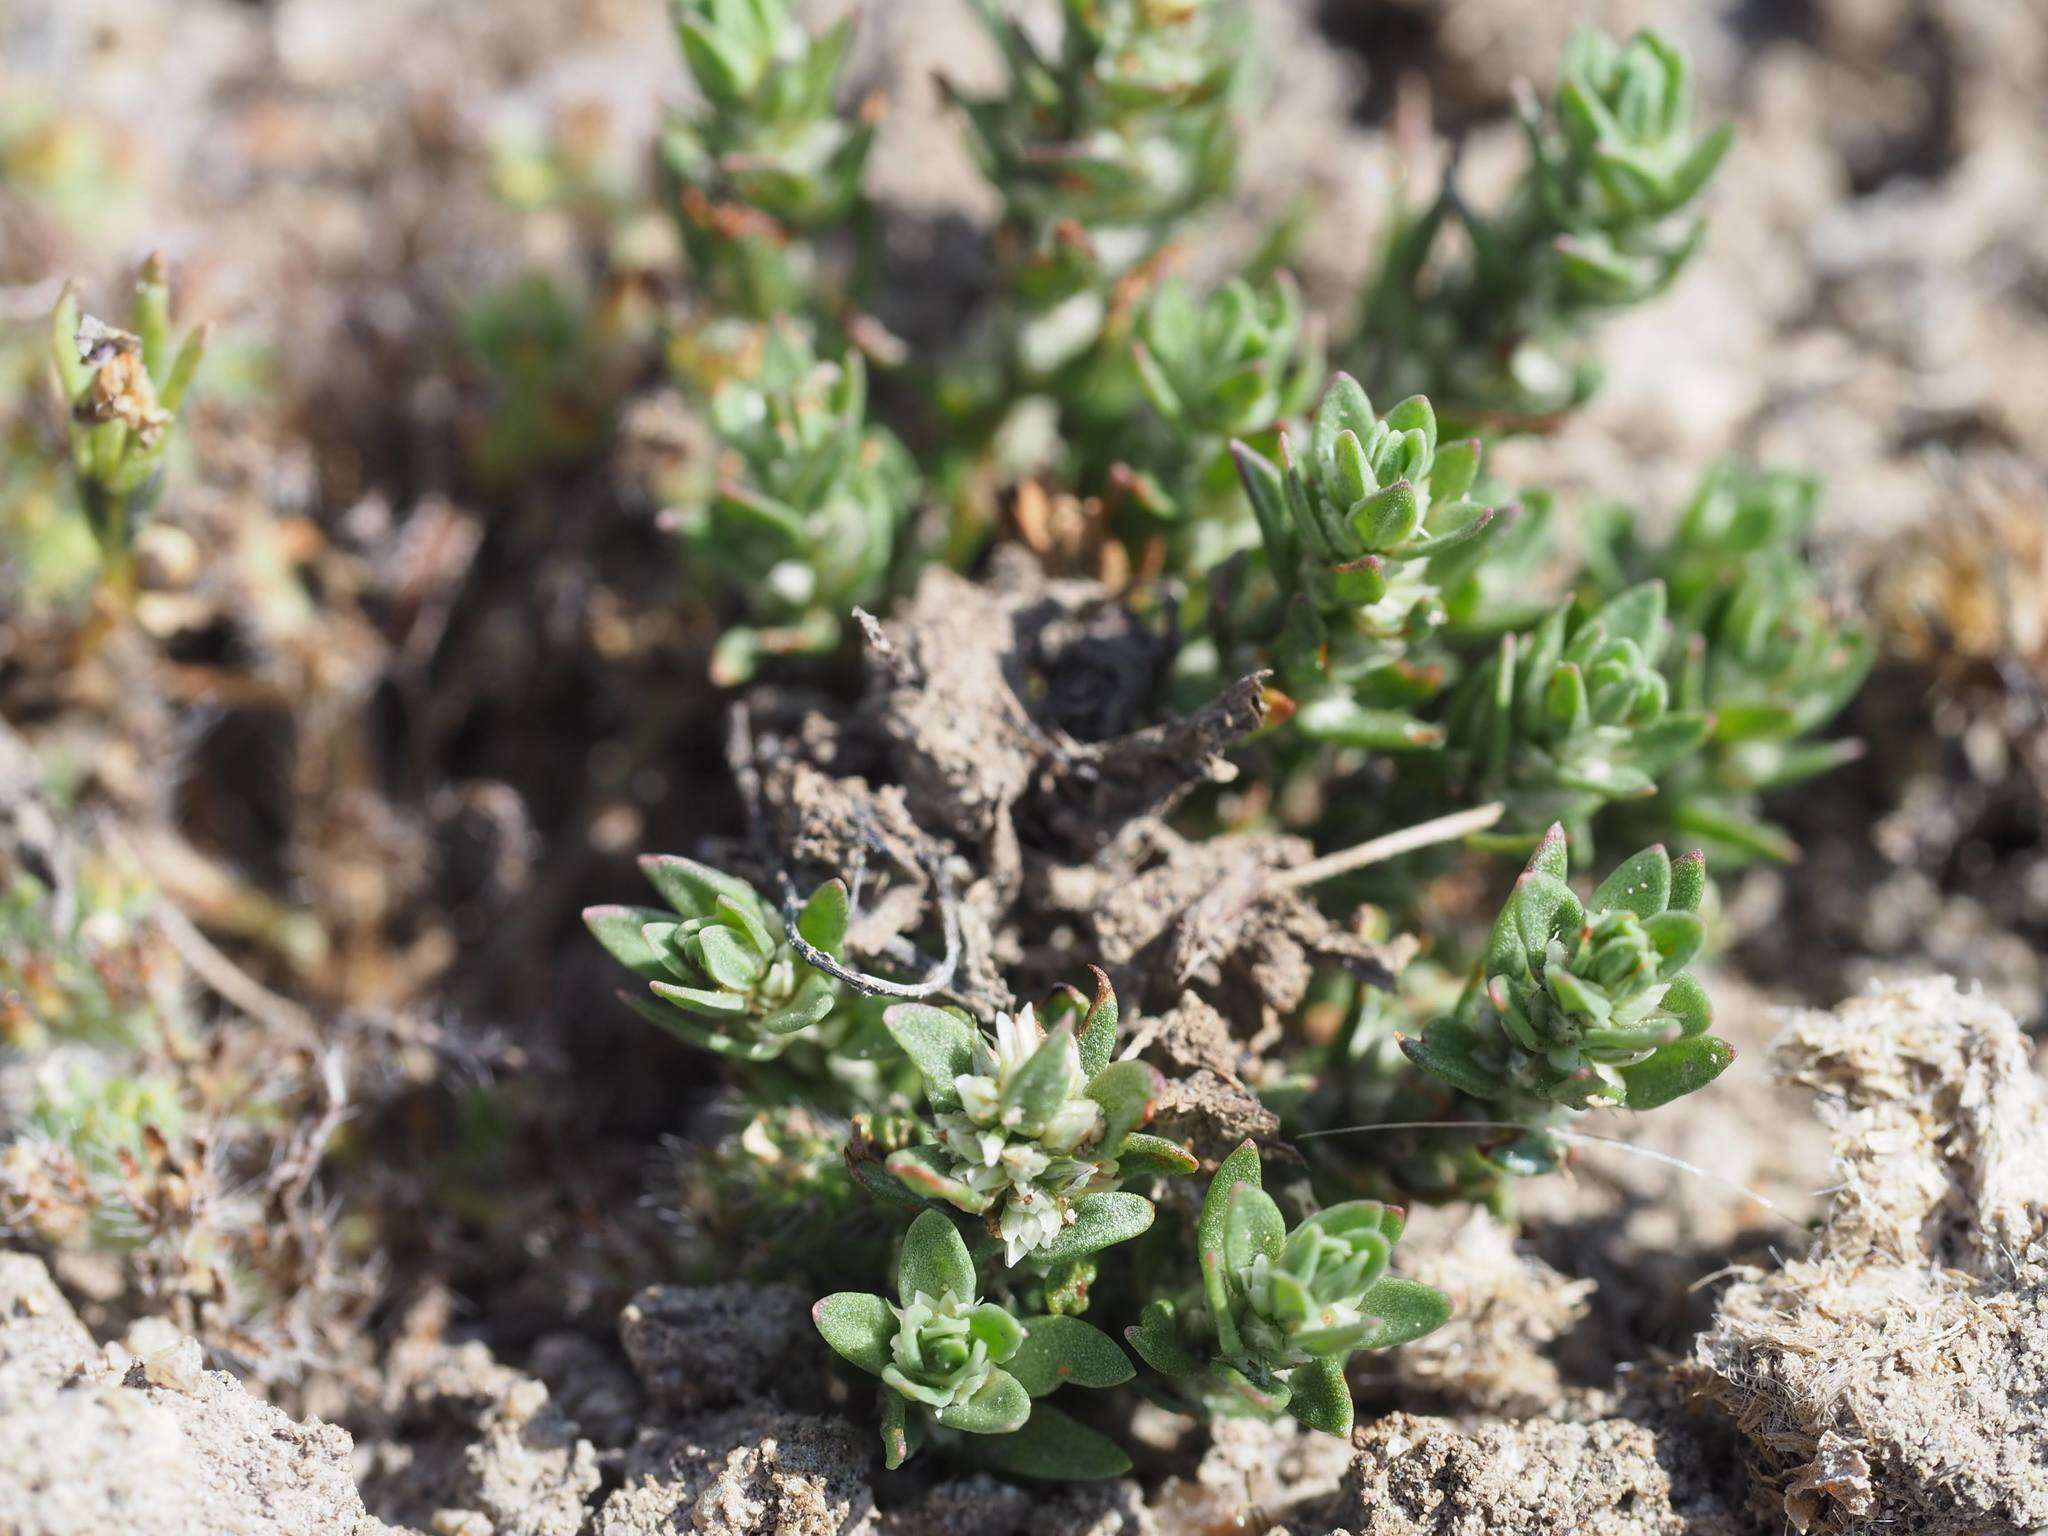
pixel 165 1161
pixel 1489 314
pixel 122 391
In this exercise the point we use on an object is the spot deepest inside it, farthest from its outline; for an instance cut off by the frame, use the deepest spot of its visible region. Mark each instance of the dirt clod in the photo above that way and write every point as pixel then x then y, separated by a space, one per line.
pixel 752 1472
pixel 1607 1477
pixel 1896 1377
pixel 702 1347
pixel 94 1442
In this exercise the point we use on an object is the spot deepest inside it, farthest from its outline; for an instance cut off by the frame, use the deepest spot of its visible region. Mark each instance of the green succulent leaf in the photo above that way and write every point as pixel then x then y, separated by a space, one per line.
pixel 1099 1026
pixel 1641 884
pixel 927 1171
pixel 1126 1091
pixel 935 1260
pixel 1053 1445
pixel 1100 1221
pixel 940 1045
pixel 1143 1154
pixel 1686 1066
pixel 1060 1350
pixel 858 1326
pixel 1320 1397
pixel 1252 1225
pixel 1405 1309
pixel 896 1430
pixel 1000 1407
pixel 1241 1167
pixel 822 923
pixel 621 931
pixel 1156 1340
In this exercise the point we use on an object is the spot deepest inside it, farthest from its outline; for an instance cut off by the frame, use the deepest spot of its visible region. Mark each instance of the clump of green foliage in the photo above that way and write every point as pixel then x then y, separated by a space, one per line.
pixel 1354 532
pixel 1103 150
pixel 1429 648
pixel 1281 1309
pixel 769 164
pixel 1586 1005
pixel 722 974
pixel 806 518
pixel 1755 649
pixel 1035 1132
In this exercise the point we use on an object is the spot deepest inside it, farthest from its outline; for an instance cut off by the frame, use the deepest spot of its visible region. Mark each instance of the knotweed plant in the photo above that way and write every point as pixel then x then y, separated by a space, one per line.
pixel 1232 366
pixel 1575 715
pixel 805 510
pixel 1354 524
pixel 1579 1005
pixel 769 165
pixel 140 1138
pixel 1756 649
pixel 721 972
pixel 1429 651
pixel 1102 149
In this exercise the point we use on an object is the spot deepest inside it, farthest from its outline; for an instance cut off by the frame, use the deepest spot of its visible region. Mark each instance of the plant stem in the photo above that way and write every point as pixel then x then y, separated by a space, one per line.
pixel 1442 829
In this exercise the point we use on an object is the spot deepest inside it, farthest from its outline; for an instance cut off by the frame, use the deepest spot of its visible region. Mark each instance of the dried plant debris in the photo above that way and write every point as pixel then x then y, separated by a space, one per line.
pixel 999 739
pixel 1896 1376
pixel 166 1159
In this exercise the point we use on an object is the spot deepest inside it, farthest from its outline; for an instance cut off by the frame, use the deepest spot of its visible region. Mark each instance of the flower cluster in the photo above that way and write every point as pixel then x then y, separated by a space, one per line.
pixel 1035 1131
pixel 1023 1131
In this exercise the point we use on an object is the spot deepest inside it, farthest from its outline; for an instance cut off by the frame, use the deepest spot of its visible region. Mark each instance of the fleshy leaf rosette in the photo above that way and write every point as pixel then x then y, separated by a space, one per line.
pixel 1281 1311
pixel 1034 1131
pixel 1584 1005
pixel 1492 311
pixel 1620 169
pixel 719 968
pixel 1350 524
pixel 946 1358
pixel 1230 365
pixel 1575 715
